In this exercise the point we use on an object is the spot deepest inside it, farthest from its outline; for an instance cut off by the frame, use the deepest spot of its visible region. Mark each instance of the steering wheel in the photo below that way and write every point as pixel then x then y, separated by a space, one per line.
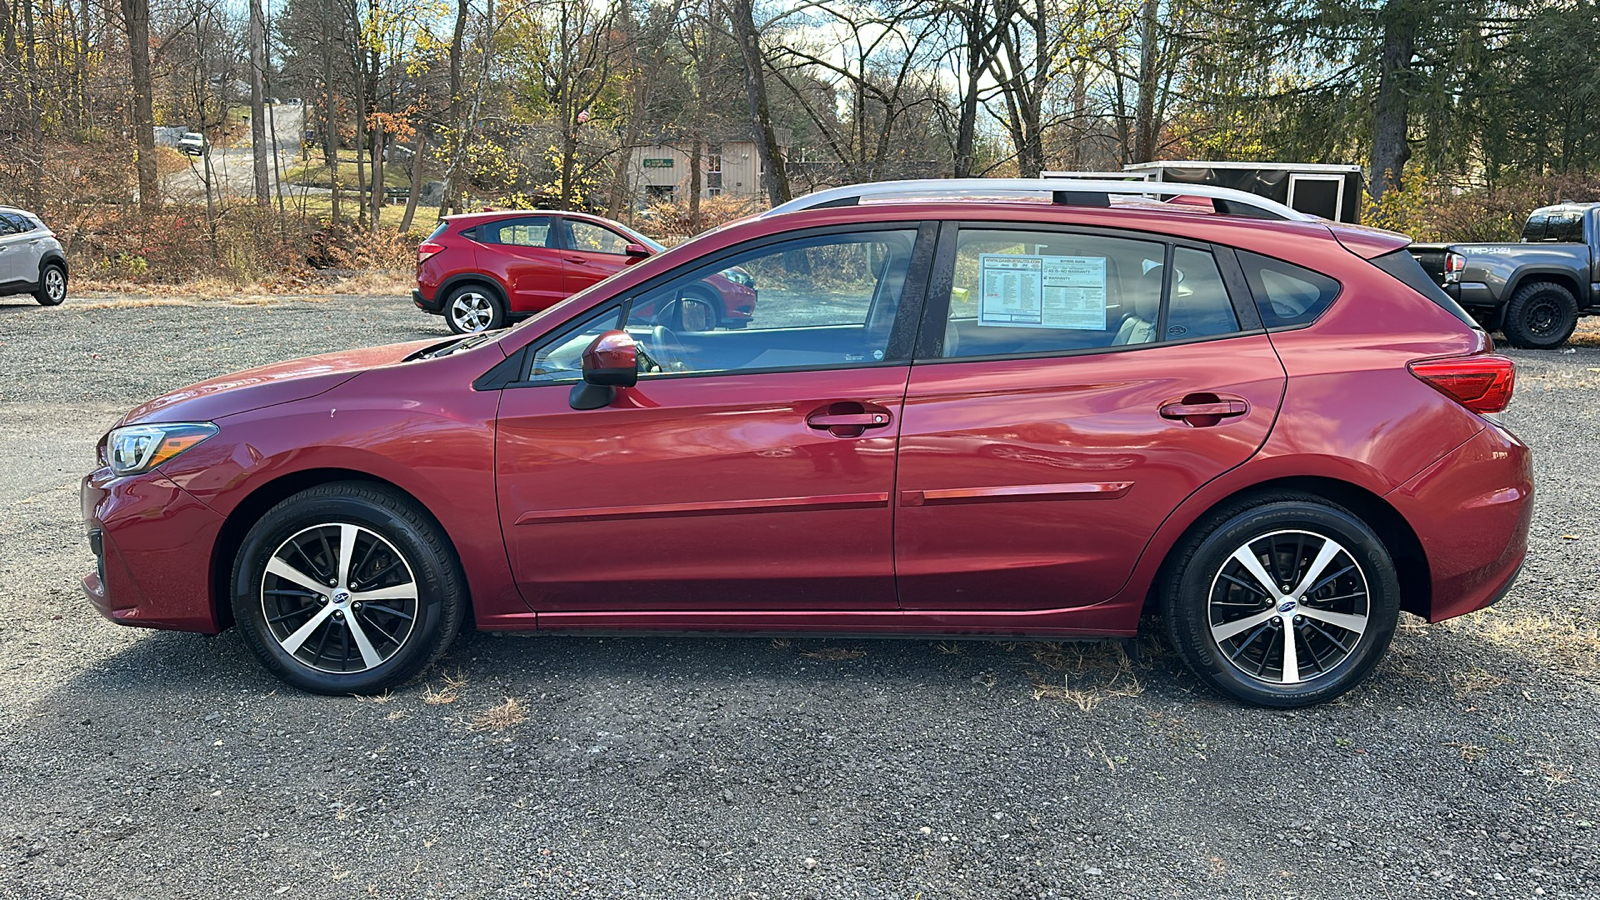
pixel 664 351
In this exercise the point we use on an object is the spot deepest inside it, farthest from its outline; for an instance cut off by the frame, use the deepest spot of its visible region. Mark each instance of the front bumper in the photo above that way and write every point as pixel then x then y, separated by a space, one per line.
pixel 1471 510
pixel 153 545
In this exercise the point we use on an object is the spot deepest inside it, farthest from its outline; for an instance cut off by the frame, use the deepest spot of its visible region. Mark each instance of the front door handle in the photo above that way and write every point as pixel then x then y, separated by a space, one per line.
pixel 1202 410
pixel 848 419
pixel 577 259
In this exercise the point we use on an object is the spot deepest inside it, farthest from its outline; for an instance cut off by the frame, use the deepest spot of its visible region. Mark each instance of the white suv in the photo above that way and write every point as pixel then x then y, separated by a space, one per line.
pixel 31 259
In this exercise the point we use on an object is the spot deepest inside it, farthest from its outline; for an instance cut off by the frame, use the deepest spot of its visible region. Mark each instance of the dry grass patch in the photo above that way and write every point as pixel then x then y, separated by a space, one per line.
pixel 500 717
pixel 447 694
pixel 1552 637
pixel 1085 674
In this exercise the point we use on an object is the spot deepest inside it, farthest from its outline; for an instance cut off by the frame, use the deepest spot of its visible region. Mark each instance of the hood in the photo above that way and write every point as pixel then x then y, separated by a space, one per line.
pixel 295 379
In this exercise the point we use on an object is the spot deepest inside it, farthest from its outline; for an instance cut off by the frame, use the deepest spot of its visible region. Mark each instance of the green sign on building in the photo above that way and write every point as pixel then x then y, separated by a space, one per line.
pixel 658 163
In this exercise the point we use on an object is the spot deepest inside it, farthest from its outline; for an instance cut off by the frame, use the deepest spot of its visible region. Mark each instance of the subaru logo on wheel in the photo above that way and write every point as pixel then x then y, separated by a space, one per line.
pixel 1286 606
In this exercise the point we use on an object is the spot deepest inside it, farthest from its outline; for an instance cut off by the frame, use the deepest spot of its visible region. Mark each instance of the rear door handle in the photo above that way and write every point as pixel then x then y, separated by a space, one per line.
pixel 1204 409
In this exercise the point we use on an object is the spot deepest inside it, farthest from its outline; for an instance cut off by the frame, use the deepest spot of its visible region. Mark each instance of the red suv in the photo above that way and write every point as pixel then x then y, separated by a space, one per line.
pixel 957 411
pixel 482 270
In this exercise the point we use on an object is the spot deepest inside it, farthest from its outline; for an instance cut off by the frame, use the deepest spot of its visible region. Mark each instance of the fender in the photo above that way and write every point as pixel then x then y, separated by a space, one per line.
pixel 1567 278
pixel 459 279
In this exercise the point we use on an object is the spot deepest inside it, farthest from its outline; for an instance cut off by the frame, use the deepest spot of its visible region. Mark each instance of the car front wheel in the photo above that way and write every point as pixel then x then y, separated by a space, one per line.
pixel 347 588
pixel 52 285
pixel 1282 601
pixel 472 309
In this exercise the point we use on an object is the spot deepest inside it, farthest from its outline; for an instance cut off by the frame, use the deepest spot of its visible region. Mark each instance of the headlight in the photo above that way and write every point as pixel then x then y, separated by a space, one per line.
pixel 140 448
pixel 739 276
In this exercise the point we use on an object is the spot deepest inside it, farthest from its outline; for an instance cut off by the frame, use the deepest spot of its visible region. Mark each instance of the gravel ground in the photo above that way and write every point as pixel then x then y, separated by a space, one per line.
pixel 143 764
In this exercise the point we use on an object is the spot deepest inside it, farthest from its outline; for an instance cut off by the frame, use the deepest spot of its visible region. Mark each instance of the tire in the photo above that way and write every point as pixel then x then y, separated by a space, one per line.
pixel 1229 627
pixel 1540 316
pixel 52 285
pixel 300 626
pixel 473 308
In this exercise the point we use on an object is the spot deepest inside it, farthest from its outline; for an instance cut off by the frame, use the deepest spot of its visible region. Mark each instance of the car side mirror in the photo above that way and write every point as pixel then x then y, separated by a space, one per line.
pixel 611 361
pixel 636 252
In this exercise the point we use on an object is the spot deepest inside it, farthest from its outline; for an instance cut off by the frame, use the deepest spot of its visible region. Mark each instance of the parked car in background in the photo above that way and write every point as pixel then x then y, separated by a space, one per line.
pixel 1532 291
pixel 192 143
pixel 481 271
pixel 31 259
pixel 957 412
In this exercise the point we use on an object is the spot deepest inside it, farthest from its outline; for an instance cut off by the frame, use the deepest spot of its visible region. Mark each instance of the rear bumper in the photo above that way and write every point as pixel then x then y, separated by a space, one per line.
pixel 152 543
pixel 1471 510
pixel 424 303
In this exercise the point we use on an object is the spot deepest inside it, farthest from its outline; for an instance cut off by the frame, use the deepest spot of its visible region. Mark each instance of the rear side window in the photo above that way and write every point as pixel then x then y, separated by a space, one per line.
pixel 531 232
pixel 1404 268
pixel 1565 227
pixel 1199 305
pixel 1286 295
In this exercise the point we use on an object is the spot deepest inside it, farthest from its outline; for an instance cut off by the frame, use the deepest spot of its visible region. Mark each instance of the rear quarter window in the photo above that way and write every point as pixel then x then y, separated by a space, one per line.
pixel 1286 295
pixel 1404 268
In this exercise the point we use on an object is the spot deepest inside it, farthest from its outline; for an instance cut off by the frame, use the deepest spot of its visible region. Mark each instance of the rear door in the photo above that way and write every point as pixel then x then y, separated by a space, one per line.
pixel 1072 387
pixel 592 254
pixel 750 469
pixel 526 252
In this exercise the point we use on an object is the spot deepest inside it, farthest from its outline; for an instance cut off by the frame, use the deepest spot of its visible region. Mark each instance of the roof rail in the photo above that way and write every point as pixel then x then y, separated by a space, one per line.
pixel 1073 192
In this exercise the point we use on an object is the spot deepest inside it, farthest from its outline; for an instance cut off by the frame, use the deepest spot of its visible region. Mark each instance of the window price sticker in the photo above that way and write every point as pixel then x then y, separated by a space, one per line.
pixel 1042 291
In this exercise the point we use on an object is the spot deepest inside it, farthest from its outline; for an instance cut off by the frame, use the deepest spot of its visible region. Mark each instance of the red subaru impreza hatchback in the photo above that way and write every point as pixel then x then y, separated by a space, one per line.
pixel 962 408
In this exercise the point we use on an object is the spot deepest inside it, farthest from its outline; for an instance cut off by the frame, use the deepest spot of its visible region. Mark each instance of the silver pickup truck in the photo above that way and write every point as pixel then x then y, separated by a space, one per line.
pixel 1532 291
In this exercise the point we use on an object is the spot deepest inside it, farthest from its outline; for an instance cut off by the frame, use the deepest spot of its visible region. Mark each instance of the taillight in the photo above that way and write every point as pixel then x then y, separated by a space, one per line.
pixel 428 249
pixel 1482 383
pixel 1454 265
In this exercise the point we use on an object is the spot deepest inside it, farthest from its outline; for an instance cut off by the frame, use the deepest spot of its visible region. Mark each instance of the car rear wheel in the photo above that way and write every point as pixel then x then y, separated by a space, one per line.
pixel 1283 601
pixel 1540 316
pixel 347 588
pixel 472 309
pixel 52 285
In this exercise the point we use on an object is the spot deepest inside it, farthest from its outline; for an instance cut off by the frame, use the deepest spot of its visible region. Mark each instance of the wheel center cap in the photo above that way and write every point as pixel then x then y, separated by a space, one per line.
pixel 341 596
pixel 1286 606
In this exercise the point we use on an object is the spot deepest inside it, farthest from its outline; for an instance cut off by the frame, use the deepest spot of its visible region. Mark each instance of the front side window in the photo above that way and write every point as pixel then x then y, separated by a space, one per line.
pixel 530 232
pixel 591 238
pixel 560 357
pixel 1030 292
pixel 814 303
pixel 1286 295
pixel 823 302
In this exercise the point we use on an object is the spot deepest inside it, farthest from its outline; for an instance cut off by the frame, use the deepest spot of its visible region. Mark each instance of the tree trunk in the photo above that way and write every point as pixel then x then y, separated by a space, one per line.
pixel 774 177
pixel 451 201
pixel 1144 127
pixel 136 20
pixel 1391 112
pixel 695 162
pixel 258 124
pixel 416 176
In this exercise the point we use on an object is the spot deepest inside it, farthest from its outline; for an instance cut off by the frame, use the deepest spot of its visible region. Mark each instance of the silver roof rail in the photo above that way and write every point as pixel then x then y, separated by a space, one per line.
pixel 1068 192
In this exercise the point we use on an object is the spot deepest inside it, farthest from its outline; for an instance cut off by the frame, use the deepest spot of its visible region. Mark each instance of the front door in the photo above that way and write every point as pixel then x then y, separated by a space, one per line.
pixel 1080 387
pixel 592 253
pixel 749 469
